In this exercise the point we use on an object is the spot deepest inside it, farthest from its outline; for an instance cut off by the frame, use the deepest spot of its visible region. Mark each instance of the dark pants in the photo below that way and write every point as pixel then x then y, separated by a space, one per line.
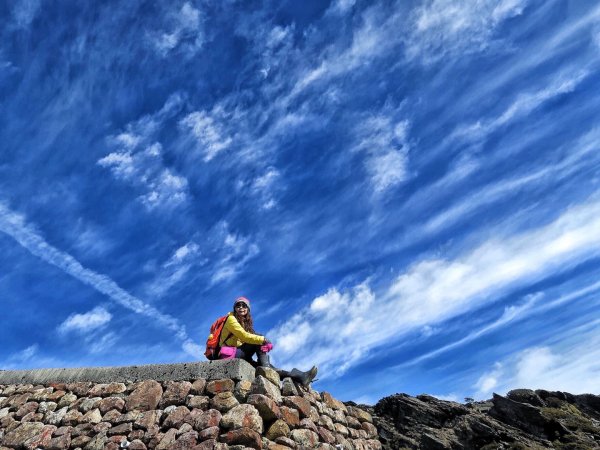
pixel 247 351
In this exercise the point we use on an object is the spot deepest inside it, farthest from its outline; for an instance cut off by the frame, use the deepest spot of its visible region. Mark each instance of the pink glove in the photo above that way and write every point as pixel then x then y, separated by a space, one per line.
pixel 266 348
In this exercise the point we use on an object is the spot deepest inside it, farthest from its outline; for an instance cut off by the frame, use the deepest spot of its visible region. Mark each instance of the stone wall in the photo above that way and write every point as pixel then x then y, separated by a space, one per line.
pixel 202 413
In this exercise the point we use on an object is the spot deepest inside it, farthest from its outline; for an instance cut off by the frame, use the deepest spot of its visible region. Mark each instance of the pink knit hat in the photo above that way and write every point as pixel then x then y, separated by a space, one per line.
pixel 243 300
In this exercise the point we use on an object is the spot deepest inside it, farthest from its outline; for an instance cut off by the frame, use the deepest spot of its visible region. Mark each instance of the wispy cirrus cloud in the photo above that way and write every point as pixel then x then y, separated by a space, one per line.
pixel 385 144
pixel 539 53
pixel 15 226
pixel 25 11
pixel 535 304
pixel 174 270
pixel 183 30
pixel 144 169
pixel 25 355
pixel 510 314
pixel 182 254
pixel 373 38
pixel 569 366
pixel 102 342
pixel 91 239
pixel 580 154
pixel 426 294
pixel 208 131
pixel 138 159
pixel 265 187
pixel 341 6
pixel 31 357
pixel 443 28
pixel 563 82
pixel 216 257
pixel 235 252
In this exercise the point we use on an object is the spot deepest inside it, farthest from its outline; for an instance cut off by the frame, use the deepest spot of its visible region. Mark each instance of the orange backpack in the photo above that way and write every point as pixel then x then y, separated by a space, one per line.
pixel 212 343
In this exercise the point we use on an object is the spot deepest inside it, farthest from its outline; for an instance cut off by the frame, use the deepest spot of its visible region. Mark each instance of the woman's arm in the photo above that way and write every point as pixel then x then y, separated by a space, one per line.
pixel 233 326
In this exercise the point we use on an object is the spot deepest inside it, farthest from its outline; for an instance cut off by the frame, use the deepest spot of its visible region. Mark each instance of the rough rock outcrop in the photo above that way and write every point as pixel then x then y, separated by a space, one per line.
pixel 524 419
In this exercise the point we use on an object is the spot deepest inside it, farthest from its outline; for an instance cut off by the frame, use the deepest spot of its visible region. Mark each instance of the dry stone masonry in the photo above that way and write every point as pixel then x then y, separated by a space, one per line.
pixel 207 406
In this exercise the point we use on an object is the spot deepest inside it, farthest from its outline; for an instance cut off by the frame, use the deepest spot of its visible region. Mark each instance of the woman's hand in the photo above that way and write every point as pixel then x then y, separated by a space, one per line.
pixel 267 346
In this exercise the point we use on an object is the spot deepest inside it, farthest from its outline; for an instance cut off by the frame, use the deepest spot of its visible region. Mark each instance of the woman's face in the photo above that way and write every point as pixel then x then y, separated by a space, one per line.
pixel 241 309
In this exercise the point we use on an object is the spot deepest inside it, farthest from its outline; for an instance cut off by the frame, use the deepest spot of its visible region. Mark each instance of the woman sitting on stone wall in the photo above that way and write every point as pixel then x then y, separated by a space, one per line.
pixel 239 340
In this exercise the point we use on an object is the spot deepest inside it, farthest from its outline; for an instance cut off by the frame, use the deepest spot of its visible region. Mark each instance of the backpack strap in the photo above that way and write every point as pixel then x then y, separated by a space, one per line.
pixel 221 332
pixel 225 340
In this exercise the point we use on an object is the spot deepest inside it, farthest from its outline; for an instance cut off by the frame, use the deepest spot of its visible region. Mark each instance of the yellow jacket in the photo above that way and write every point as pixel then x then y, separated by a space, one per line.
pixel 234 335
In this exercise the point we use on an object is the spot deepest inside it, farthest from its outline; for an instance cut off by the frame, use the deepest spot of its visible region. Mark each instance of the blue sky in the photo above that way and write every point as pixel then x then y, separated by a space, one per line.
pixel 408 192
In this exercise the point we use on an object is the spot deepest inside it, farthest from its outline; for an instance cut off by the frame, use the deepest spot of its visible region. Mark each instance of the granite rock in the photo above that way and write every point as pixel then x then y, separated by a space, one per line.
pixel 145 397
pixel 242 416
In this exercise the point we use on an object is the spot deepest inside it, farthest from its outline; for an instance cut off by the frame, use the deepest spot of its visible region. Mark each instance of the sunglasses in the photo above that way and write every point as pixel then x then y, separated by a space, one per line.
pixel 241 305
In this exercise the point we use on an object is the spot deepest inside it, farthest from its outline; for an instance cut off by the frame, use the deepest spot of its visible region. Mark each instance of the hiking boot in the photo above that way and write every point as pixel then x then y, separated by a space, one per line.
pixel 264 360
pixel 304 378
pixel 312 373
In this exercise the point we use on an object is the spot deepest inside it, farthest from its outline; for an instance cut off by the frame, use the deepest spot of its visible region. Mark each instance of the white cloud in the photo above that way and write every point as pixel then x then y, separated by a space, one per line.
pixel 511 313
pixel 387 169
pixel 366 400
pixel 512 72
pixel 165 281
pixel 166 189
pixel 29 357
pixel 523 105
pixel 144 169
pixel 429 285
pixel 445 28
pixel 192 348
pixel 264 187
pixel 581 153
pixel 570 366
pixel 233 253
pixel 185 30
pixel 534 304
pixel 86 322
pixel 516 68
pixel 208 133
pixel 24 11
pixel 596 36
pixel 220 254
pixel 173 270
pixel 144 129
pixel 128 140
pixel 91 239
pixel 576 370
pixel 25 355
pixel 341 6
pixel 266 180
pixel 15 226
pixel 374 37
pixel 451 397
pixel 100 343
pixel 91 330
pixel 436 289
pixel 138 160
pixel 333 321
pixel 121 164
pixel 385 144
pixel 533 363
pixel 489 381
pixel 182 253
